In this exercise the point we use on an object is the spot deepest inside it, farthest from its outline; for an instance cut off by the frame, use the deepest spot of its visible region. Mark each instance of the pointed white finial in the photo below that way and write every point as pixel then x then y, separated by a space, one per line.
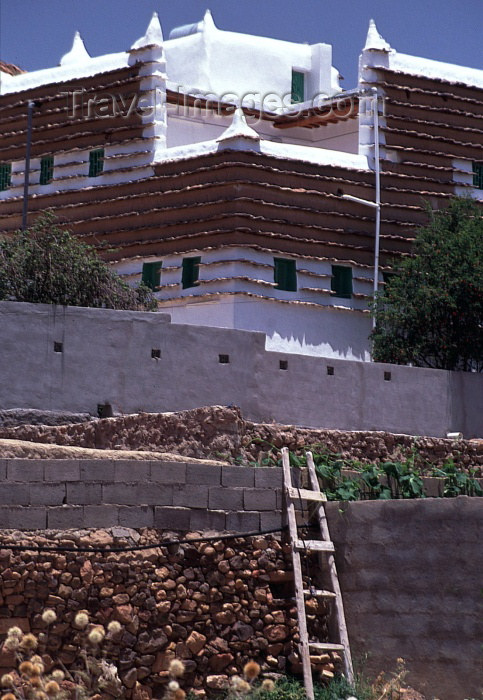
pixel 153 36
pixel 239 129
pixel 77 54
pixel 374 40
pixel 208 21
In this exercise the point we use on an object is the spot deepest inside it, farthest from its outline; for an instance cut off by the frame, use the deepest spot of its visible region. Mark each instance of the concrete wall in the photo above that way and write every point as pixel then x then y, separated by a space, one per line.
pixel 105 357
pixel 410 573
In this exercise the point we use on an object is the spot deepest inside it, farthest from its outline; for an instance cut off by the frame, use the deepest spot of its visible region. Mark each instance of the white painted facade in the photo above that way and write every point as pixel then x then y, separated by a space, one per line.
pixel 236 287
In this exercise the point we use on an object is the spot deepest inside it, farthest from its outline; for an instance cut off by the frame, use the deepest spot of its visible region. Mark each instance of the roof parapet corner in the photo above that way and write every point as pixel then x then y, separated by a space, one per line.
pixel 238 129
pixel 152 37
pixel 374 41
pixel 208 23
pixel 78 53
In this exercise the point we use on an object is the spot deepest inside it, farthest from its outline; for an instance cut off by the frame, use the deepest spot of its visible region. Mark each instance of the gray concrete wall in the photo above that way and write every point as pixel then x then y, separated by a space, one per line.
pixel 106 358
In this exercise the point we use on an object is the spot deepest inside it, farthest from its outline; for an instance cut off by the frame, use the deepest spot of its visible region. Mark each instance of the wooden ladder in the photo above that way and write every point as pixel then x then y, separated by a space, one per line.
pixel 325 548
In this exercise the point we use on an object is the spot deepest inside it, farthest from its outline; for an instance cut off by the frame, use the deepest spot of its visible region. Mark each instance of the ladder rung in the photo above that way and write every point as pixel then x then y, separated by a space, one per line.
pixel 317 593
pixel 314 545
pixel 326 646
pixel 305 494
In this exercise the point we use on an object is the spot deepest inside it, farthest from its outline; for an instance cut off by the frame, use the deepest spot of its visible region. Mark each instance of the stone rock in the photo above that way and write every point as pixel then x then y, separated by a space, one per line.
pixel 217 682
pixel 149 643
pixel 276 633
pixel 196 642
pixel 218 662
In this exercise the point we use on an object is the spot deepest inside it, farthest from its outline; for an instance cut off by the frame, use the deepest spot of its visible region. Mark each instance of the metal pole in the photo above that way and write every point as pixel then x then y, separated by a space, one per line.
pixel 30 108
pixel 377 170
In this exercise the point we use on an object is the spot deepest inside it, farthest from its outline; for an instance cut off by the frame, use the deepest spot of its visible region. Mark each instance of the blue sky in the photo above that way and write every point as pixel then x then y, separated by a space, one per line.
pixel 36 33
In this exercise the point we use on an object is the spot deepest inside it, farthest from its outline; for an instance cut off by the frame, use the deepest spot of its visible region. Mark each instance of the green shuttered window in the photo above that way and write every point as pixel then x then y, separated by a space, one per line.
pixel 285 274
pixel 46 170
pixel 151 275
pixel 341 283
pixel 191 271
pixel 96 162
pixel 5 175
pixel 298 86
pixel 478 175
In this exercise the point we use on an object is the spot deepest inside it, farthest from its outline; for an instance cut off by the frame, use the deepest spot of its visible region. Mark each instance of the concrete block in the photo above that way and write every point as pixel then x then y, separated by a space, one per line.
pixel 25 470
pixel 47 494
pixel 237 476
pixel 225 498
pixel 243 521
pixel 259 499
pixel 168 472
pixel 169 518
pixel 280 497
pixel 190 496
pixel 97 469
pixel 101 516
pixel 3 469
pixel 14 494
pixel 136 516
pixel 154 494
pixel 271 519
pixel 65 517
pixel 203 474
pixel 83 493
pixel 269 477
pixel 202 519
pixel 24 518
pixel 62 470
pixel 131 470
pixel 120 494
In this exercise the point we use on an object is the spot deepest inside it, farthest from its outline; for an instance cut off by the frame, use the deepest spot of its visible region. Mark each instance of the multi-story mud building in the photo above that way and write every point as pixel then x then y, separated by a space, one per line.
pixel 235 176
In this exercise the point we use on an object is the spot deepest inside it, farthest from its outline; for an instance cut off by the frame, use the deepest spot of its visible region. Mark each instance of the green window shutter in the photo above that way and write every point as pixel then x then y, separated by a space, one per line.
pixel 191 271
pixel 46 169
pixel 96 162
pixel 341 283
pixel 285 274
pixel 478 175
pixel 5 175
pixel 151 275
pixel 298 86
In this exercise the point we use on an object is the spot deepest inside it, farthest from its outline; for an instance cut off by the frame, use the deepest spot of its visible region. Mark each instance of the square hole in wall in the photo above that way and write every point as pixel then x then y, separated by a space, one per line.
pixel 330 371
pixel 283 364
pixel 58 347
pixel 156 353
pixel 223 359
pixel 104 410
pixel 387 376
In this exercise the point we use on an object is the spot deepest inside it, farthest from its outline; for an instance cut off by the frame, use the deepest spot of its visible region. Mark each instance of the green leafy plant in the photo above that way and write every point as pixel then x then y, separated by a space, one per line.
pixel 457 482
pixel 47 264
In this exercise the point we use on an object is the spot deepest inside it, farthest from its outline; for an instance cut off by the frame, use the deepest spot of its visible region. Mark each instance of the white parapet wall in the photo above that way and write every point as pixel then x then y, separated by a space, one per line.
pixel 70 358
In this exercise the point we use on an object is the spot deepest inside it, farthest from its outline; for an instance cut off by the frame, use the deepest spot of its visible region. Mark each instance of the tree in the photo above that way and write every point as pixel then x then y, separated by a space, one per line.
pixel 47 264
pixel 430 312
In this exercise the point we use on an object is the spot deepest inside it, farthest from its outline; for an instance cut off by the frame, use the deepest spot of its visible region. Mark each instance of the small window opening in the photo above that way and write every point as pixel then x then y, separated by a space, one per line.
pixel 478 175
pixel 283 364
pixel 298 86
pixel 156 353
pixel 330 371
pixel 190 272
pixel 341 282
pixel 58 347
pixel 151 274
pixel 96 162
pixel 5 175
pixel 387 376
pixel 285 274
pixel 223 359
pixel 46 169
pixel 104 410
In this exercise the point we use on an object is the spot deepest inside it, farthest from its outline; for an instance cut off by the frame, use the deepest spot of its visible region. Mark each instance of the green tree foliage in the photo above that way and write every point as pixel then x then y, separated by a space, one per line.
pixel 430 312
pixel 47 264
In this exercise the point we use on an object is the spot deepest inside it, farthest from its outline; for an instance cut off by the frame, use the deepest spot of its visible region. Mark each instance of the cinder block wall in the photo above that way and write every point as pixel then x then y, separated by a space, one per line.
pixel 68 358
pixel 68 493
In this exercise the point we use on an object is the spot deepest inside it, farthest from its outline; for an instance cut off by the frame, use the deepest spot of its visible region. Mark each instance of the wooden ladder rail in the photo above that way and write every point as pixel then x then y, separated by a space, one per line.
pixel 298 581
pixel 334 579
pixel 324 547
